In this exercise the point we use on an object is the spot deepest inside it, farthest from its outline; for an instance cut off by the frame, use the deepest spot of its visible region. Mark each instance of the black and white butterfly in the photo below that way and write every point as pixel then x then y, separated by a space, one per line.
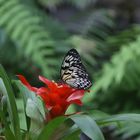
pixel 73 71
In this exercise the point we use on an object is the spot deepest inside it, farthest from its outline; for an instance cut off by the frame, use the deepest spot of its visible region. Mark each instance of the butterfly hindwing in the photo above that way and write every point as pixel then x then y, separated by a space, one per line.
pixel 73 71
pixel 79 83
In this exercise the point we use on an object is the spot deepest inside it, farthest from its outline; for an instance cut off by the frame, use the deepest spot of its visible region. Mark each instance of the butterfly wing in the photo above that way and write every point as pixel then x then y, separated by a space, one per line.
pixel 73 71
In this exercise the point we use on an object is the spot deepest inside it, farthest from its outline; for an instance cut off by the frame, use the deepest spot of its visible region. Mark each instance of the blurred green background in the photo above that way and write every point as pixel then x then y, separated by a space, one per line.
pixel 35 35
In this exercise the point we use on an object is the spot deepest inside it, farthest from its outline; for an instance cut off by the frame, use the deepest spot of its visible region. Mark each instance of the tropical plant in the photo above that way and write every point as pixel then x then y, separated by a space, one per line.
pixel 118 82
pixel 36 127
pixel 31 34
pixel 33 41
pixel 129 130
pixel 34 37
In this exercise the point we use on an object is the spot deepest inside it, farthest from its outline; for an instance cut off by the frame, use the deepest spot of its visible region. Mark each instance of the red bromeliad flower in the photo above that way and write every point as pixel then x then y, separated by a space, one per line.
pixel 56 96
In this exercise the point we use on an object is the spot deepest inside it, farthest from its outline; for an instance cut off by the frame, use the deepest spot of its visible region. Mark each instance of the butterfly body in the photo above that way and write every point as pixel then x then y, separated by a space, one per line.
pixel 73 71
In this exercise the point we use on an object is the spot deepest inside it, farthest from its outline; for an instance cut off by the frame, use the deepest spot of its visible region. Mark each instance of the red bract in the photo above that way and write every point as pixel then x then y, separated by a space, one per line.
pixel 56 96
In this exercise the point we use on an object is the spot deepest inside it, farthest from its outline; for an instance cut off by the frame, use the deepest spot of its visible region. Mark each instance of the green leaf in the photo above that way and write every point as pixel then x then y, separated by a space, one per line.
pixel 129 129
pixel 25 93
pixel 33 111
pixel 8 134
pixel 3 116
pixel 51 129
pixel 8 92
pixel 88 126
pixel 22 116
pixel 37 119
pixel 3 110
pixel 121 117
pixel 97 114
pixel 41 106
pixel 72 136
pixel 29 94
pixel 34 108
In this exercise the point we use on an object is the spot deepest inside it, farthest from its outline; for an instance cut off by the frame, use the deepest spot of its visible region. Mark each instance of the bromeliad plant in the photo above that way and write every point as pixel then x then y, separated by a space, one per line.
pixel 43 115
pixel 56 96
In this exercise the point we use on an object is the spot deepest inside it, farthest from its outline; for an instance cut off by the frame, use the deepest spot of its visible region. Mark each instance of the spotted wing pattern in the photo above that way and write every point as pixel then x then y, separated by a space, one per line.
pixel 73 71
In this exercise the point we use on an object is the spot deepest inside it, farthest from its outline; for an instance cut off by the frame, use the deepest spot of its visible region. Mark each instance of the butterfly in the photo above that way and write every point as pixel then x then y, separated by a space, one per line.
pixel 73 71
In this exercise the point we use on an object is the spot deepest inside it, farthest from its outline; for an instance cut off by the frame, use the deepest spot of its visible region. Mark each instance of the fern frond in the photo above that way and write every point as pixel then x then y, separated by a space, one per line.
pixel 36 36
pixel 123 68
pixel 118 83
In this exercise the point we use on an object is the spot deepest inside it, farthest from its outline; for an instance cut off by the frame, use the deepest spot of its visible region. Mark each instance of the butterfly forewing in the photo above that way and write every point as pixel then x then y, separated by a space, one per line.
pixel 73 71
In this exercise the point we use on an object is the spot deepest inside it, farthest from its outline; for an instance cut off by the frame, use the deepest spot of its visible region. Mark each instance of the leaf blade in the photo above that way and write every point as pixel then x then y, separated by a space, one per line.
pixel 88 126
pixel 11 102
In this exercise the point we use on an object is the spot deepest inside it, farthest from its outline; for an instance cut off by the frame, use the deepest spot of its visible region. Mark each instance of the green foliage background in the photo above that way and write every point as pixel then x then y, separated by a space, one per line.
pixel 35 35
